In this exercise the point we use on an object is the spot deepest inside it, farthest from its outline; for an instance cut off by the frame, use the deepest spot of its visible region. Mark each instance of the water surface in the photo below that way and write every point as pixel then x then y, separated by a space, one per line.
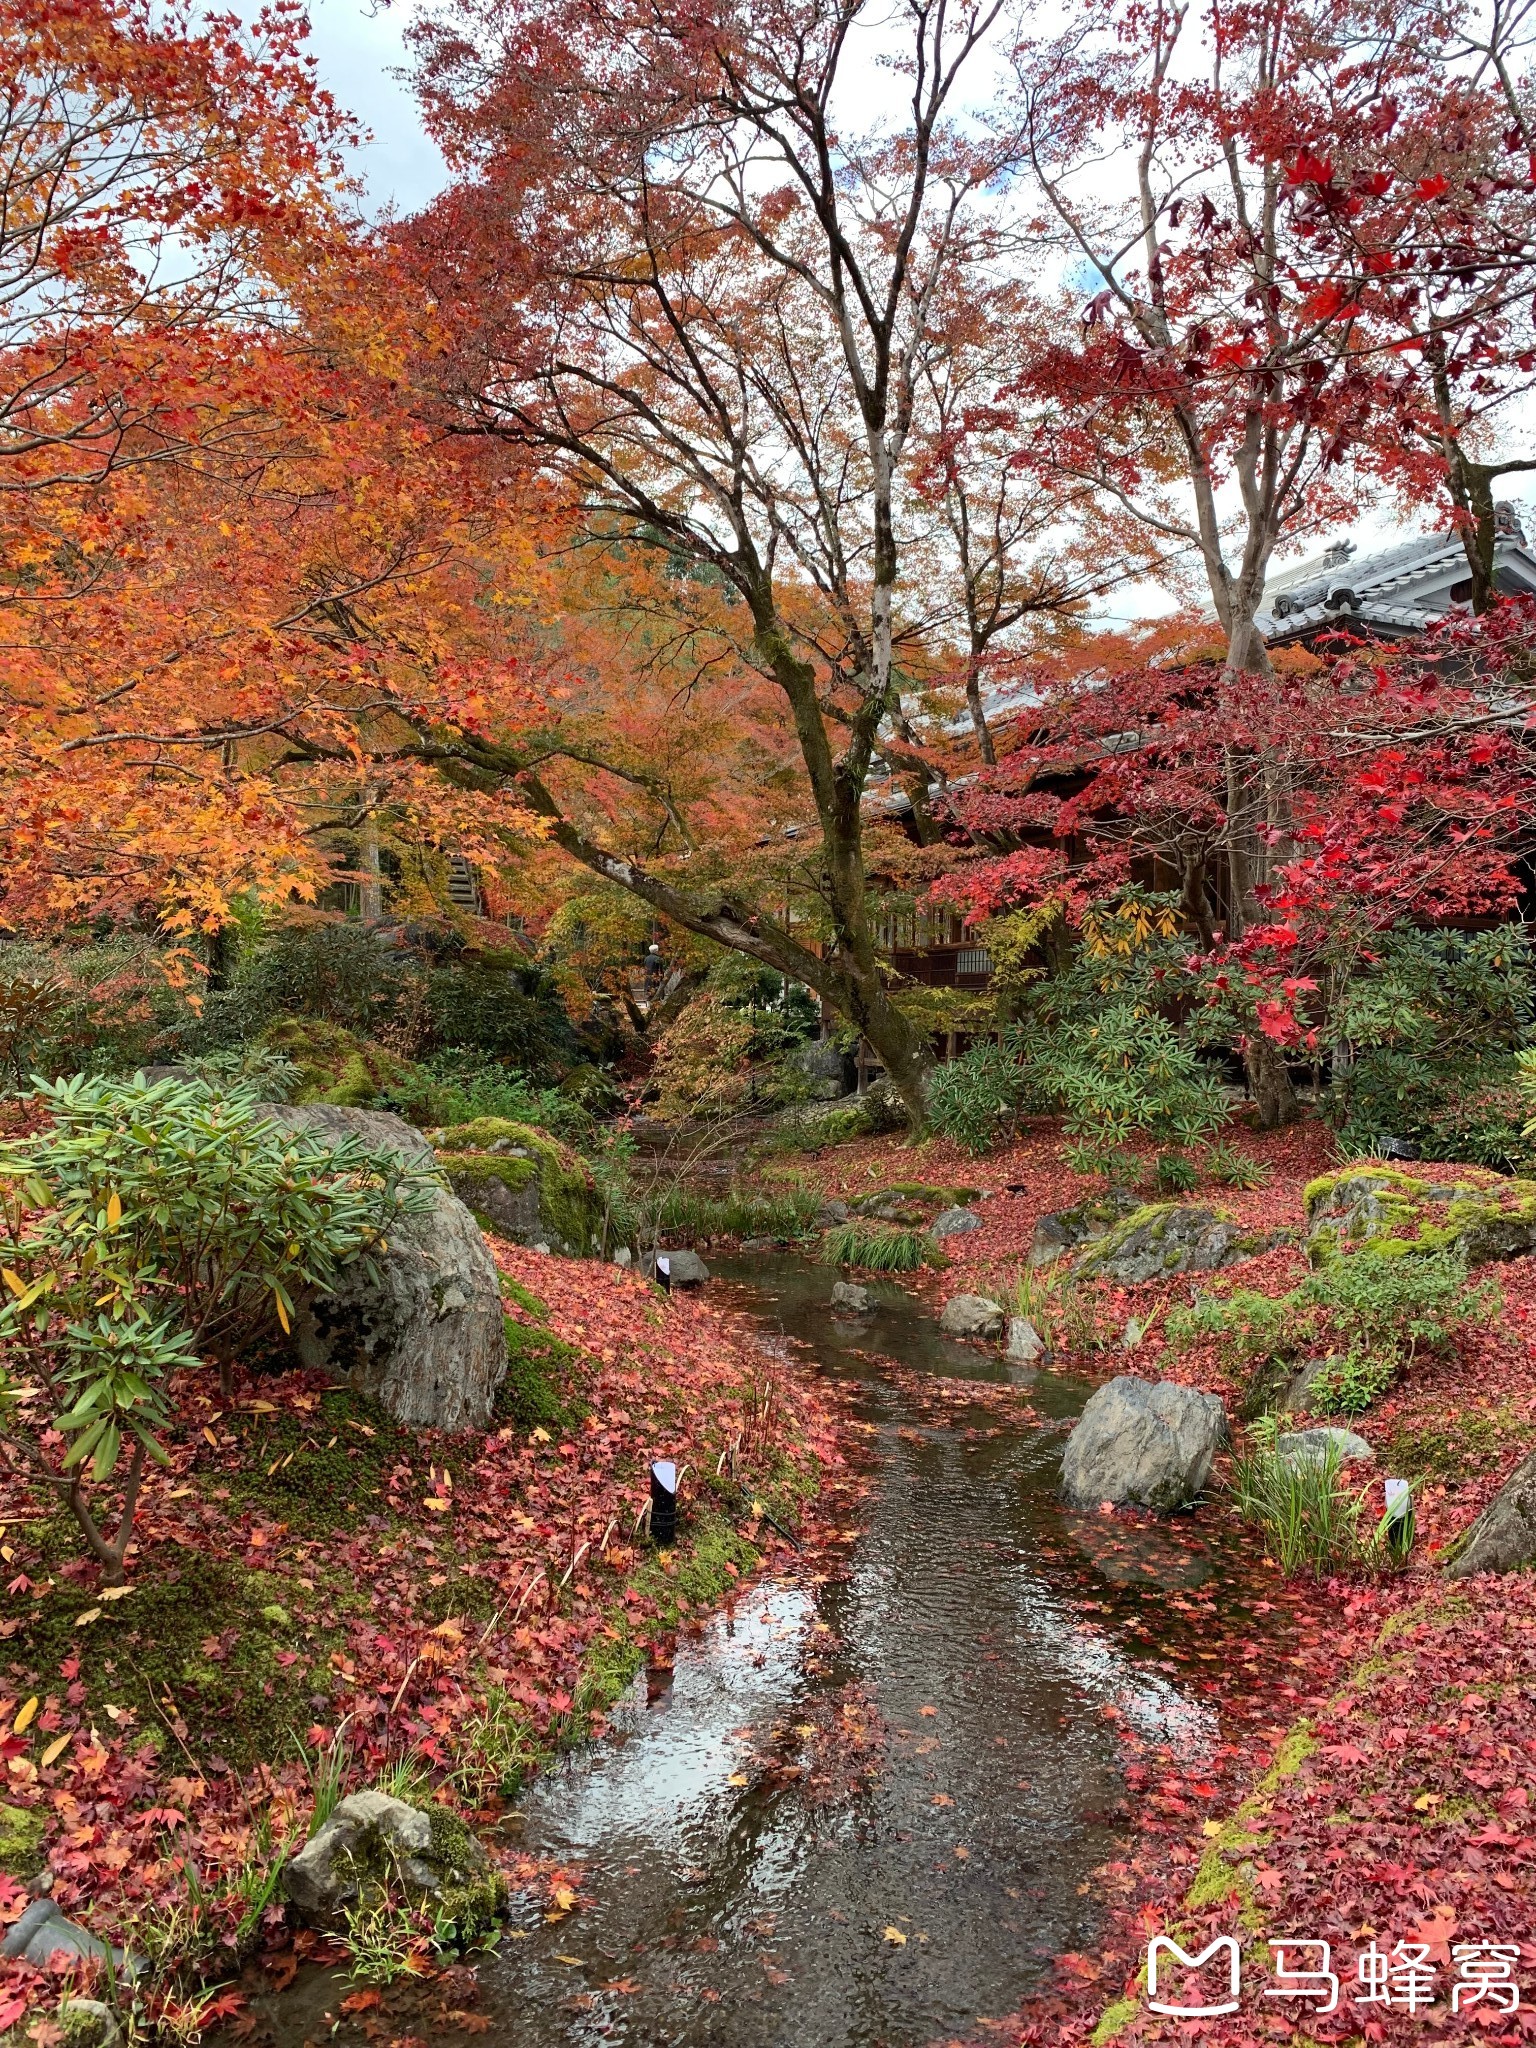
pixel 863 1810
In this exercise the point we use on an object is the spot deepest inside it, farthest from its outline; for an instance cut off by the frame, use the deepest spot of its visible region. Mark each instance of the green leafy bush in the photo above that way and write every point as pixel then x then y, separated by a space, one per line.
pixel 1434 1024
pixel 1233 1169
pixel 1382 1310
pixel 1245 1325
pixel 879 1251
pixel 976 1099
pixel 1382 1304
pixel 1176 1175
pixel 151 1224
pixel 459 1087
pixel 100 1008
pixel 1127 1074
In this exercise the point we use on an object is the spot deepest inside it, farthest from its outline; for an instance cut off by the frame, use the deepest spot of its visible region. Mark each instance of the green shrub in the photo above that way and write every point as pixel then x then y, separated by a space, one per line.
pixel 337 973
pixel 879 1251
pixel 1309 1514
pixel 976 1100
pixel 506 1008
pixel 1233 1169
pixel 1435 1023
pixel 1397 1306
pixel 459 1087
pixel 1382 1310
pixel 102 1008
pixel 1246 1326
pixel 1349 1385
pixel 1176 1175
pixel 150 1224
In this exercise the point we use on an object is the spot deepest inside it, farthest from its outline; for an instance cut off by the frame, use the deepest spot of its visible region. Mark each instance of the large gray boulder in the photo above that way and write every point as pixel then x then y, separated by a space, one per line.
pixel 823 1068
pixel 1142 1443
pixel 1485 1217
pixel 954 1222
pixel 1503 1538
pixel 971 1315
pixel 373 1841
pixel 1164 1238
pixel 851 1298
pixel 418 1328
pixel 1063 1230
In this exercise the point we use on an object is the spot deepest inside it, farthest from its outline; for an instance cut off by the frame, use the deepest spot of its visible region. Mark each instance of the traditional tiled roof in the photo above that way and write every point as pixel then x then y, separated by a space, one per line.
pixel 1396 590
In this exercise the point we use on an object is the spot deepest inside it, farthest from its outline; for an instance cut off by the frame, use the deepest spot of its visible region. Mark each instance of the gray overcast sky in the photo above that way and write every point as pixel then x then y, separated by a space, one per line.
pixel 358 47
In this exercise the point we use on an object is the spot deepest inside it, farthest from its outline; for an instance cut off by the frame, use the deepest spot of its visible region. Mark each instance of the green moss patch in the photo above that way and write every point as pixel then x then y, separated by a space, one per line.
pixel 335 1065
pixel 1483 1216
pixel 570 1210
pixel 545 1380
pixel 21 1834
pixel 191 1643
pixel 305 1466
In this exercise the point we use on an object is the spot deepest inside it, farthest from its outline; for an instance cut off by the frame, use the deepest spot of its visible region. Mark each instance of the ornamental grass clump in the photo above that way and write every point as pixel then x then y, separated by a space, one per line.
pixel 1309 1515
pixel 147 1227
pixel 879 1251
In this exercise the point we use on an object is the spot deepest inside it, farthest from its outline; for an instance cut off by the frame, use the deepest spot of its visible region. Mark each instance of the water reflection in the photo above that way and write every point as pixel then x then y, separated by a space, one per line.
pixel 864 1813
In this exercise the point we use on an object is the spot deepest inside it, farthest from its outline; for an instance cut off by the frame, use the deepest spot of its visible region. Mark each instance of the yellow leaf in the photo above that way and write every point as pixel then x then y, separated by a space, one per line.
pixel 23 1720
pixel 564 1897
pixel 438 1507
pixel 115 1592
pixel 568 1959
pixel 1212 1827
pixel 895 1936
pixel 114 1210
pixel 737 1778
pixel 260 1408
pixel 282 1314
pixel 211 1438
pixel 90 1614
pixel 13 1280
pixel 56 1749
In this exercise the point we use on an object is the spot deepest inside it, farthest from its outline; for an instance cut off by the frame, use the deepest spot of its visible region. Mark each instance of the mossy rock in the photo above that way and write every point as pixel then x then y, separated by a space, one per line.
pixel 473 1897
pixel 21 1835
pixel 334 1064
pixel 525 1184
pixel 1162 1238
pixel 1485 1216
pixel 913 1202
pixel 1063 1230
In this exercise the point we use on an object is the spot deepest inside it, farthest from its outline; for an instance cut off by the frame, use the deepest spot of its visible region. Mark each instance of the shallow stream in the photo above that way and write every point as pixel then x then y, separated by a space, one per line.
pixel 866 1809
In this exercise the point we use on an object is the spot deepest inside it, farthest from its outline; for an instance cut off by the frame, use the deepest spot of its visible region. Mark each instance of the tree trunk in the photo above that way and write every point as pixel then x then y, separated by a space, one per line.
pixel 1270 1082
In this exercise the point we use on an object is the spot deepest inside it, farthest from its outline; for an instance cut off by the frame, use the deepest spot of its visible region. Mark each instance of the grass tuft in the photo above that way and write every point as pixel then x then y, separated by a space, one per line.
pixel 879 1251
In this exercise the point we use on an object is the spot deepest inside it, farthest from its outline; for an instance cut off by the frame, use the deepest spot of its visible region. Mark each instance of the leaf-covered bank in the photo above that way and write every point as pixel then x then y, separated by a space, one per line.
pixel 317 1598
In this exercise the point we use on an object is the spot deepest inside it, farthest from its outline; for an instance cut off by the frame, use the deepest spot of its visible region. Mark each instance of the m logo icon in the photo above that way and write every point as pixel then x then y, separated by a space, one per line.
pixel 1161 1945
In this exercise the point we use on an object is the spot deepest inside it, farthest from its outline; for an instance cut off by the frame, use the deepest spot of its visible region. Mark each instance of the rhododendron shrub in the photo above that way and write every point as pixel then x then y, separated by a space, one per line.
pixel 148 1226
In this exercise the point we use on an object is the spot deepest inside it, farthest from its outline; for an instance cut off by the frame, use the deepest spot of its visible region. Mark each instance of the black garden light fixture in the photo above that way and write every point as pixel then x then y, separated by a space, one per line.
pixel 663 1501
